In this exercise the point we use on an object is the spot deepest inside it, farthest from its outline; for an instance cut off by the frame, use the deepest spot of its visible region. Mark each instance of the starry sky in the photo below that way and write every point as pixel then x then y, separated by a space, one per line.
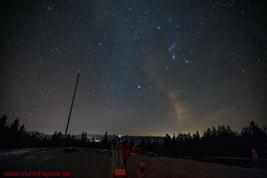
pixel 148 67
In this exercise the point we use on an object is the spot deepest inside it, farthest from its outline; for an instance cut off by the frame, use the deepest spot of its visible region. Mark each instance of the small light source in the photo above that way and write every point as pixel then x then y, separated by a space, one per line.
pixel 119 136
pixel 120 173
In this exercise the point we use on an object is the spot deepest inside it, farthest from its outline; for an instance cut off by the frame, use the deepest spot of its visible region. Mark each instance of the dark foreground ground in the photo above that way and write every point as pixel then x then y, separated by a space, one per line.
pixel 93 163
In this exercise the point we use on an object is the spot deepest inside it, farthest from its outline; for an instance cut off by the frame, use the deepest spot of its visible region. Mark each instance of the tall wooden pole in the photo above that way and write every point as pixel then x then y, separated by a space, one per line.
pixel 78 76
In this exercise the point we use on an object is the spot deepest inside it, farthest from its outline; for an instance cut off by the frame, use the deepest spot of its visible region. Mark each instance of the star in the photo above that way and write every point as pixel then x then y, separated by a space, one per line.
pixel 172 50
pixel 173 56
pixel 186 61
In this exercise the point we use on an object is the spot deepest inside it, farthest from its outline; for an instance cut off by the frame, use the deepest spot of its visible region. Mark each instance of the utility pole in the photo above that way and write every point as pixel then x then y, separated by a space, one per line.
pixel 78 76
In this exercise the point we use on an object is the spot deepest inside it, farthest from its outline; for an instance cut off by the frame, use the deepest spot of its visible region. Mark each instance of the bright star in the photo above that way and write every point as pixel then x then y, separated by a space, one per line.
pixel 49 8
pixel 173 56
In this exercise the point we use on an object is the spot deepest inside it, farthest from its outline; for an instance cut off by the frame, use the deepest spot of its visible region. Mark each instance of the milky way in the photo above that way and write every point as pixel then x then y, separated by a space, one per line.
pixel 147 67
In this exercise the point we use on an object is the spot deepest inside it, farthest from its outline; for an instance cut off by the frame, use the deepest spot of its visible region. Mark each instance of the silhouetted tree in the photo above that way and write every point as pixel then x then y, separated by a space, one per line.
pixel 4 132
pixel 105 141
pixel 142 145
pixel 84 139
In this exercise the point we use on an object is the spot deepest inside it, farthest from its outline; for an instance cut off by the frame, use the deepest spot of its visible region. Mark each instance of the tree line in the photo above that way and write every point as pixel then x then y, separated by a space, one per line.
pixel 220 141
pixel 14 135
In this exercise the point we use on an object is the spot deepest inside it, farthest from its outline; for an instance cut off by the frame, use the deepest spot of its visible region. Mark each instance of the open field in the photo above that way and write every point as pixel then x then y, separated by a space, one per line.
pixel 93 163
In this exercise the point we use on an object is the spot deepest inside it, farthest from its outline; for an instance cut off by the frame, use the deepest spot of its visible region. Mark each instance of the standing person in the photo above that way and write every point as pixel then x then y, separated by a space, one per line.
pixel 125 152
pixel 141 166
pixel 254 155
pixel 255 159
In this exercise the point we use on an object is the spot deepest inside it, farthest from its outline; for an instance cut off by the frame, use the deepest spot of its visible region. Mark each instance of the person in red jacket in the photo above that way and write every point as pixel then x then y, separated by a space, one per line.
pixel 125 152
pixel 141 166
pixel 254 155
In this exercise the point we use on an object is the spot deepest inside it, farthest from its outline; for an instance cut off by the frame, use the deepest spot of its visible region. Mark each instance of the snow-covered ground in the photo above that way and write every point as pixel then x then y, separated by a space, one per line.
pixel 5 154
pixel 85 162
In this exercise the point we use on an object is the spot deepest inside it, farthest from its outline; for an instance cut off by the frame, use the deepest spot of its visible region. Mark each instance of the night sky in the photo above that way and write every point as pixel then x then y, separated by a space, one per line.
pixel 147 67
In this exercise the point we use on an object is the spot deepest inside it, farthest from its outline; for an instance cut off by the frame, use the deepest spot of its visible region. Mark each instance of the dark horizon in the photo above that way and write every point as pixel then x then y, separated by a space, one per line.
pixel 201 134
